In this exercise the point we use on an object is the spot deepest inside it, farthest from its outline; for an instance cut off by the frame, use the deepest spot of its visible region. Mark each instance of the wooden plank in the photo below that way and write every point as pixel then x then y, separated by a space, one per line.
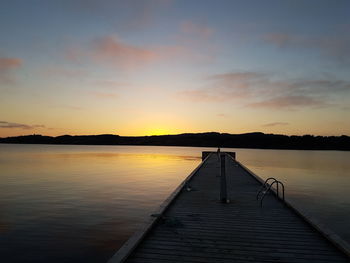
pixel 196 227
pixel 252 243
pixel 315 223
pixel 235 252
pixel 237 245
pixel 229 236
pixel 203 256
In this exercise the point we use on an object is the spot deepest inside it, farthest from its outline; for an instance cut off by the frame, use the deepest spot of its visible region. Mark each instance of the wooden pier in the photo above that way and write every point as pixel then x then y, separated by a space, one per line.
pixel 195 224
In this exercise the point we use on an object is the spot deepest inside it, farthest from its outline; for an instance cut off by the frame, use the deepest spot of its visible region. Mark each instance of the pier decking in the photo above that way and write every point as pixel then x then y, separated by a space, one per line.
pixel 194 226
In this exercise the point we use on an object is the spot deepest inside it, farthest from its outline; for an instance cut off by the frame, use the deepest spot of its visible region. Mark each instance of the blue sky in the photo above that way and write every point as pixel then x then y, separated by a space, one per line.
pixel 167 66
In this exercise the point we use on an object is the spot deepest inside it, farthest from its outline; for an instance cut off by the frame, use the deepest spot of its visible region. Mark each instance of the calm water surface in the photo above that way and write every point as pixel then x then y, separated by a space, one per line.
pixel 80 203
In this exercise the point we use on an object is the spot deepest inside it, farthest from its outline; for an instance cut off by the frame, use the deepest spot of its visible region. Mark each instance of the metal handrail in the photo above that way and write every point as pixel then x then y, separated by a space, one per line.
pixel 268 187
pixel 264 186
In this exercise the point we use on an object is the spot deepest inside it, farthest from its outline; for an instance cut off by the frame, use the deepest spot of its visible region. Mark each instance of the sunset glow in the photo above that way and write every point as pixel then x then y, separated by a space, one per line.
pixel 171 66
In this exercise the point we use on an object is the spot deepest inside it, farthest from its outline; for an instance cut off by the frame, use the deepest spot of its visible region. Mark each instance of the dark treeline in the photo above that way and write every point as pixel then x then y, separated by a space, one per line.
pixel 211 139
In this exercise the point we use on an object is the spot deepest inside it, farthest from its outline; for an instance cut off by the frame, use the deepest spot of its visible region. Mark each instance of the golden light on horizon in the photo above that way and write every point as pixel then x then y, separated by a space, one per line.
pixel 158 131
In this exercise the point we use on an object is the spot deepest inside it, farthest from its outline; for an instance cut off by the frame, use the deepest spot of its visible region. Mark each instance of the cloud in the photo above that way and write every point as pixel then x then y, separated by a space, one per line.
pixel 12 125
pixel 336 47
pixel 289 102
pixel 272 124
pixel 7 65
pixel 237 84
pixel 225 87
pixel 260 90
pixel 112 51
pixel 328 85
pixel 202 95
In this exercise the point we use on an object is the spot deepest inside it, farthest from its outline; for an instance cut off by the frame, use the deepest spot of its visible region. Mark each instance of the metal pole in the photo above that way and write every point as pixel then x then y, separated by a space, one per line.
pixel 223 186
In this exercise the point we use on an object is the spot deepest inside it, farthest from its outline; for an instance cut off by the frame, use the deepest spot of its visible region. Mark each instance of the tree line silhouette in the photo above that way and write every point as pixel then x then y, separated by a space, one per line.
pixel 210 139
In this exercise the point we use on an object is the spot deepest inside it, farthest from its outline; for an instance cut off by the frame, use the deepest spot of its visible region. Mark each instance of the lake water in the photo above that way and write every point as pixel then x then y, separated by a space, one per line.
pixel 62 203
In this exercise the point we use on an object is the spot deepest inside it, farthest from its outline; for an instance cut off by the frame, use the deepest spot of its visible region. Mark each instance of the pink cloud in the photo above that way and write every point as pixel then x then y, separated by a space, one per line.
pixel 7 65
pixel 113 50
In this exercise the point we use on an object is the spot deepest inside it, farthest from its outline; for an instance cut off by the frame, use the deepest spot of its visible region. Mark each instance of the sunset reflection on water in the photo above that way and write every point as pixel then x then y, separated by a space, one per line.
pixel 68 203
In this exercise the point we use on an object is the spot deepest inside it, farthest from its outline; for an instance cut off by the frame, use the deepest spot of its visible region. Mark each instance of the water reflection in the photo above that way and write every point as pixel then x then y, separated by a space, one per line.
pixel 72 203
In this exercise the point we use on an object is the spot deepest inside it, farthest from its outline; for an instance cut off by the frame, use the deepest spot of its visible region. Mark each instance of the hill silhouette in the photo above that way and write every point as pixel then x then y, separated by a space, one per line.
pixel 210 139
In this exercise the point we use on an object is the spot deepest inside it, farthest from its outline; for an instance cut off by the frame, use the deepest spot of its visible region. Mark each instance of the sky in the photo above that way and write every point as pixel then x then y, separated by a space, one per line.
pixel 174 66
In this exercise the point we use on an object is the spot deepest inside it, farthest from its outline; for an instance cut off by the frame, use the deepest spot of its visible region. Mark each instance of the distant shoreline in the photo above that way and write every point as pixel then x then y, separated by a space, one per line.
pixel 256 140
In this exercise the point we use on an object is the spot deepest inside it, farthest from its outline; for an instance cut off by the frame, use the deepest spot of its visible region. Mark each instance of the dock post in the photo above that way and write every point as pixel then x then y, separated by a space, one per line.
pixel 223 186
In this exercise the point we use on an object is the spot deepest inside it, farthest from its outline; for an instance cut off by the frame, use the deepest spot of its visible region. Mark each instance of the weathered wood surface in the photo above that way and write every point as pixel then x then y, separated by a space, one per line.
pixel 197 227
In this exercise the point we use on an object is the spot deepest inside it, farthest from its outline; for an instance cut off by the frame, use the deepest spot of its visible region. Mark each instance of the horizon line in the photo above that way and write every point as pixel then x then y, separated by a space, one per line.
pixel 220 133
